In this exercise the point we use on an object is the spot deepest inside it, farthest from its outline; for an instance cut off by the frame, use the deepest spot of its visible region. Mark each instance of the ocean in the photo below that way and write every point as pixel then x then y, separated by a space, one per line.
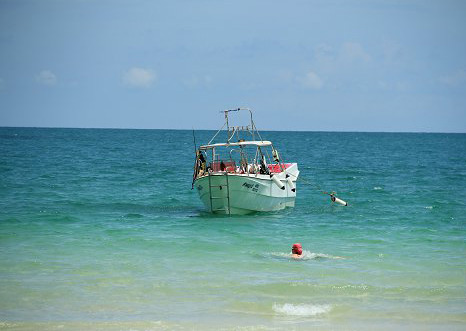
pixel 100 230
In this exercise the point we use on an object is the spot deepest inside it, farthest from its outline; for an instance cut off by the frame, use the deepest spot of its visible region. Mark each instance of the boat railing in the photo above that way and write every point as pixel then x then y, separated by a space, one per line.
pixel 230 166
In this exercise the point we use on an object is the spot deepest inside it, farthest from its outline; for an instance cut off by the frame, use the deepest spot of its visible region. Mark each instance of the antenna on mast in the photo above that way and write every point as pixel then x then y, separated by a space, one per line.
pixel 231 130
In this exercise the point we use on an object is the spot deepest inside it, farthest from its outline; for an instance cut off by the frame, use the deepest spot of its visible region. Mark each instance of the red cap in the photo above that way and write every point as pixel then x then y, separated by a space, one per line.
pixel 297 249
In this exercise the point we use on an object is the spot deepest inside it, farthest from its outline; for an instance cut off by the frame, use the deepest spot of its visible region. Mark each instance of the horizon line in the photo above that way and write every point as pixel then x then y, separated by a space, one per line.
pixel 191 129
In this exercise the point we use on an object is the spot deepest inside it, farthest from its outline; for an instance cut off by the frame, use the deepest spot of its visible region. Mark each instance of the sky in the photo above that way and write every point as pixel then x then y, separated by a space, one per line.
pixel 313 65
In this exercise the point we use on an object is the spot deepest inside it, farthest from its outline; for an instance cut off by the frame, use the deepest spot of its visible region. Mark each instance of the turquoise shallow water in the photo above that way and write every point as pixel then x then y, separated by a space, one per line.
pixel 99 229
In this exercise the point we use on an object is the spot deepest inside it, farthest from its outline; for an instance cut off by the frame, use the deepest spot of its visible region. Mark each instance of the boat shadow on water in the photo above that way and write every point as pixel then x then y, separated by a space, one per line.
pixel 251 217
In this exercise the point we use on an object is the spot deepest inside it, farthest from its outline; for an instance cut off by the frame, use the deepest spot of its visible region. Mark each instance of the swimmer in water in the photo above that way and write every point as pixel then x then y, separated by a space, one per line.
pixel 297 251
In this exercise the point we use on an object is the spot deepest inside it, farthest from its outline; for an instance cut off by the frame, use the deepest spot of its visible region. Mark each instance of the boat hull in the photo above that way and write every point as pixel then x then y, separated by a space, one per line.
pixel 233 193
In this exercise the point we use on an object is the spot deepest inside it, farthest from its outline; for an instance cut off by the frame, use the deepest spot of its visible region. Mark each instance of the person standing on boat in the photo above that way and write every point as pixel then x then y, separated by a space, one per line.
pixel 264 170
pixel 201 163
pixel 297 251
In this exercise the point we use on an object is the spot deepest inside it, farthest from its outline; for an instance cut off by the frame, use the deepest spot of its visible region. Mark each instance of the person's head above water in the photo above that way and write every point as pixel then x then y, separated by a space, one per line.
pixel 297 249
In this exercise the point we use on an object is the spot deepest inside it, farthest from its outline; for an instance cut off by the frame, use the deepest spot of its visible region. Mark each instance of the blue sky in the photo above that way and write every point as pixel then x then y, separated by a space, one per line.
pixel 301 65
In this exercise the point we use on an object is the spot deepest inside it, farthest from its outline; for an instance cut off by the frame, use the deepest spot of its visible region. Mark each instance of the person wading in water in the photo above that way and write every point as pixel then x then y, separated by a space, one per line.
pixel 297 251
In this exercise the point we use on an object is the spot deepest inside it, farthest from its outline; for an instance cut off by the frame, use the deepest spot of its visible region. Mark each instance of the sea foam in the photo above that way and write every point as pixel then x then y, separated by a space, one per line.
pixel 307 255
pixel 301 310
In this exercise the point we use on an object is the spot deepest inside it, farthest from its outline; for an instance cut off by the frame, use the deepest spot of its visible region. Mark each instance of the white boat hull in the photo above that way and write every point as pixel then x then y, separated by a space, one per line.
pixel 234 193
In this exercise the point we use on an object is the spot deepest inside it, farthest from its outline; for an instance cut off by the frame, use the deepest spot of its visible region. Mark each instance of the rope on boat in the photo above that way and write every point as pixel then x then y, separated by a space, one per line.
pixel 216 134
pixel 331 194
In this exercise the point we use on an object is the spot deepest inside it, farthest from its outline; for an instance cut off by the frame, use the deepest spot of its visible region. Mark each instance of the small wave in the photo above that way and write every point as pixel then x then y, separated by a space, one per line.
pixel 321 255
pixel 301 310
pixel 429 207
pixel 307 255
pixel 376 188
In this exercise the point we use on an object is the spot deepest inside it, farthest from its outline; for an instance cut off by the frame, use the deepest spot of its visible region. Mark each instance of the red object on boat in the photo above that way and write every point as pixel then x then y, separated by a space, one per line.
pixel 275 168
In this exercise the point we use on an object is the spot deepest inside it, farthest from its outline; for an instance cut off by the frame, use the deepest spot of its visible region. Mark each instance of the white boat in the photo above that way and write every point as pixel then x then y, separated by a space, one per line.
pixel 241 176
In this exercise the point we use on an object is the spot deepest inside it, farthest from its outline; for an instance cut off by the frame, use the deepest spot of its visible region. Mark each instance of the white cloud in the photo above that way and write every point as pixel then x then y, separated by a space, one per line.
pixel 325 58
pixel 455 79
pixel 324 52
pixel 354 52
pixel 139 77
pixel 311 80
pixel 46 77
pixel 347 59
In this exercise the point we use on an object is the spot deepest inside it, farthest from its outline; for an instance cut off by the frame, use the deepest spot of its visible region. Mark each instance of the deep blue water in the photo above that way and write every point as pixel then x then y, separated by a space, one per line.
pixel 100 229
